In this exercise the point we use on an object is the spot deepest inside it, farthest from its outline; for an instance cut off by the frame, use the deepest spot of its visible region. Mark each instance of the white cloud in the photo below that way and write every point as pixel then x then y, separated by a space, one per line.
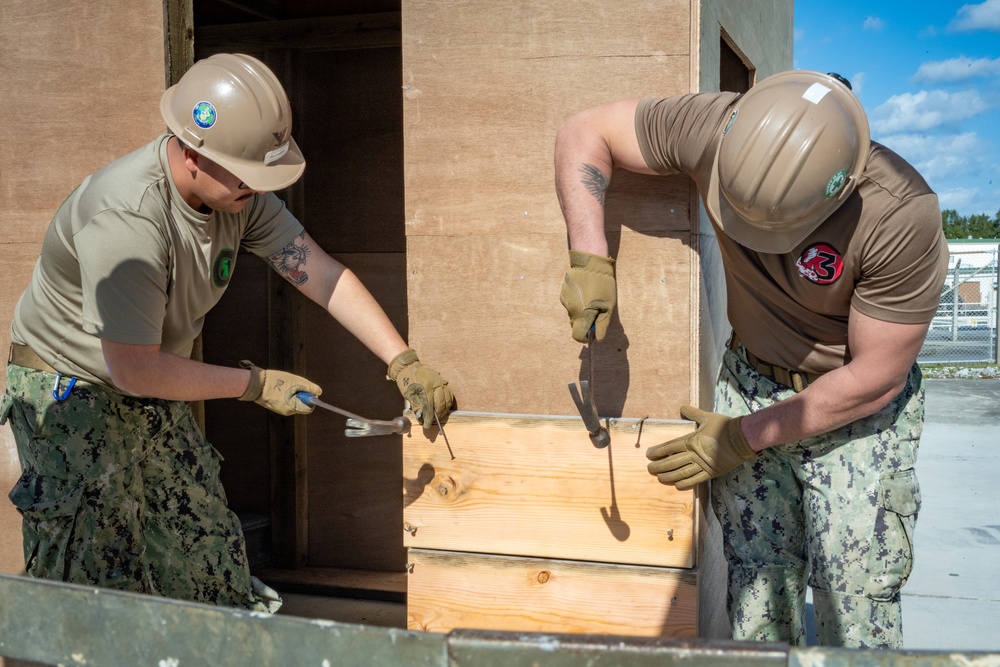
pixel 969 201
pixel 873 23
pixel 858 83
pixel 926 109
pixel 938 156
pixel 952 165
pixel 956 69
pixel 984 16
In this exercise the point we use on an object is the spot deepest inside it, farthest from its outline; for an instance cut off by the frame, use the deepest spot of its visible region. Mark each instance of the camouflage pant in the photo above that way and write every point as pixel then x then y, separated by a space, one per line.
pixel 835 512
pixel 123 493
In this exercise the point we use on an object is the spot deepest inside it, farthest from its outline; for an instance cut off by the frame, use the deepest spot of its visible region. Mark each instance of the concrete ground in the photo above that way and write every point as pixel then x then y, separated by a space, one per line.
pixel 952 600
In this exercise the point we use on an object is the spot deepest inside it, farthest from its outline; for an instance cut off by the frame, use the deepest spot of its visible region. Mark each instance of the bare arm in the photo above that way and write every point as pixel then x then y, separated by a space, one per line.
pixel 587 146
pixel 146 370
pixel 335 287
pixel 882 355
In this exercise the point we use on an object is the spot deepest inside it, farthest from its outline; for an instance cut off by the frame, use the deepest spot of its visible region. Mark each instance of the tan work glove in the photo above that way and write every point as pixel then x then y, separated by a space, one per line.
pixel 422 386
pixel 589 293
pixel 276 390
pixel 713 449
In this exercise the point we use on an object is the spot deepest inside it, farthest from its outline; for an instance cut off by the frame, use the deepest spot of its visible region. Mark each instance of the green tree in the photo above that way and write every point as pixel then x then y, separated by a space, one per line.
pixel 979 226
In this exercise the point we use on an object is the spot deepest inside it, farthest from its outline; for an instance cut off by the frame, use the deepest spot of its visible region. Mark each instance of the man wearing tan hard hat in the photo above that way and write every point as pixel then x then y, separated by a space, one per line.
pixel 834 257
pixel 119 488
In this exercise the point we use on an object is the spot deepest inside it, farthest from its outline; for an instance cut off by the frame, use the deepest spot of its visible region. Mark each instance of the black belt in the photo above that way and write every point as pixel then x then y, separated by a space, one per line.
pixel 22 355
pixel 797 380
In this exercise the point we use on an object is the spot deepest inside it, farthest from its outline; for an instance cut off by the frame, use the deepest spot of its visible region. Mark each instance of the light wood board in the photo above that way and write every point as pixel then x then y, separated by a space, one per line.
pixel 454 590
pixel 537 486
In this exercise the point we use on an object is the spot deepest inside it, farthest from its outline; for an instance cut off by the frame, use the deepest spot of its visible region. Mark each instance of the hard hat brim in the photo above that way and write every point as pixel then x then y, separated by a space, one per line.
pixel 768 241
pixel 265 177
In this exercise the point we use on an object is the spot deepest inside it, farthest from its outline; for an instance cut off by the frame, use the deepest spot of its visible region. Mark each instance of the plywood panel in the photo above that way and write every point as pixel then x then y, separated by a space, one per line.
pixel 453 590
pixel 486 85
pixel 536 486
pixel 83 79
pixel 485 311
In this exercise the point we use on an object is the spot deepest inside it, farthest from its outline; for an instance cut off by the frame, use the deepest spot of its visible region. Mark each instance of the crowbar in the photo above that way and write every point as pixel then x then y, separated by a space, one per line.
pixel 358 426
pixel 584 399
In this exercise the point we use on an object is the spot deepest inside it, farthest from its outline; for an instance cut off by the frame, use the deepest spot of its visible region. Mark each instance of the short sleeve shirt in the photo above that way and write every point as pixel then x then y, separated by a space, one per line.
pixel 882 252
pixel 126 259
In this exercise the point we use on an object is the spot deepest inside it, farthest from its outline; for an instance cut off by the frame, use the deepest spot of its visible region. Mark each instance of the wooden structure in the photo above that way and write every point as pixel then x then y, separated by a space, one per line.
pixel 428 130
pixel 531 528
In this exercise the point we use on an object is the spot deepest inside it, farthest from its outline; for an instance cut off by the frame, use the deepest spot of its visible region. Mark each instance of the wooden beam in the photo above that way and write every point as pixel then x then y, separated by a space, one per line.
pixel 288 437
pixel 357 584
pixel 178 39
pixel 262 8
pixel 331 33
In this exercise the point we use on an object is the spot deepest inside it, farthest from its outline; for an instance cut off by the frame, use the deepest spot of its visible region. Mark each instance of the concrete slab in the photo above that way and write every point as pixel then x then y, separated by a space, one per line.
pixel 952 600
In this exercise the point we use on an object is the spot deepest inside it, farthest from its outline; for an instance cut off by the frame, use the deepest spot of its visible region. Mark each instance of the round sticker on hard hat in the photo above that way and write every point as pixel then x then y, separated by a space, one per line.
pixel 835 183
pixel 204 115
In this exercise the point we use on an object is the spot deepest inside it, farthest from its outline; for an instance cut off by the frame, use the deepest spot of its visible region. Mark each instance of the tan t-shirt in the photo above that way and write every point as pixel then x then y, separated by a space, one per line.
pixel 126 259
pixel 883 251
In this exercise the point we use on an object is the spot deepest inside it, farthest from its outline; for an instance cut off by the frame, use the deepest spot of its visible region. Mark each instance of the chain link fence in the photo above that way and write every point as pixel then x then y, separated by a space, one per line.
pixel 965 327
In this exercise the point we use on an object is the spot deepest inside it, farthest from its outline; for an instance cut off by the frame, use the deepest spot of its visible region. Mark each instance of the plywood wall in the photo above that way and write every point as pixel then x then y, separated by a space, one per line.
pixel 486 85
pixel 80 84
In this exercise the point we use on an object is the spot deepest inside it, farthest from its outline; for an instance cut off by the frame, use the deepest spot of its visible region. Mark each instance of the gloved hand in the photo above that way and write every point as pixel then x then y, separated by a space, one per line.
pixel 422 386
pixel 275 390
pixel 589 293
pixel 713 449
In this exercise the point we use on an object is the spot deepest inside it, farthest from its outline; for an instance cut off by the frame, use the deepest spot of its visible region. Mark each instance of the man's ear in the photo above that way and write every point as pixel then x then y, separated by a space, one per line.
pixel 191 159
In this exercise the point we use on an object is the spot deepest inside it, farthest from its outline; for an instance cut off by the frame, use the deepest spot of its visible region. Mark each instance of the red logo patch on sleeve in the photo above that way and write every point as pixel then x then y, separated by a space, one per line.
pixel 820 263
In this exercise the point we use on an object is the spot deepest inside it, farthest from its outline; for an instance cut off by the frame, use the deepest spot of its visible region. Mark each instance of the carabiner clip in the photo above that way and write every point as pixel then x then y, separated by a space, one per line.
pixel 62 396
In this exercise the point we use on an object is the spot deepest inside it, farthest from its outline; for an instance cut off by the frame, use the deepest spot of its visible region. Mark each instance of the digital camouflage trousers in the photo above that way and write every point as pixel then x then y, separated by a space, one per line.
pixel 124 493
pixel 835 512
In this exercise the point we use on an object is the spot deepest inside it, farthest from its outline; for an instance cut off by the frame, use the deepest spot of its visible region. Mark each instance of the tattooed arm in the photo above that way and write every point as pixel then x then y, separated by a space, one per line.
pixel 588 145
pixel 335 287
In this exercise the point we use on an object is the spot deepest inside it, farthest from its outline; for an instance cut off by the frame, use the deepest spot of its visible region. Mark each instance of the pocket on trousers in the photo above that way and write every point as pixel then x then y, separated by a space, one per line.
pixel 890 558
pixel 48 509
pixel 6 404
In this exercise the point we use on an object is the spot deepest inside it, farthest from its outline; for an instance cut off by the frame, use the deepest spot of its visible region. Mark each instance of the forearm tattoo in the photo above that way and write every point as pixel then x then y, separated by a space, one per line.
pixel 290 261
pixel 594 181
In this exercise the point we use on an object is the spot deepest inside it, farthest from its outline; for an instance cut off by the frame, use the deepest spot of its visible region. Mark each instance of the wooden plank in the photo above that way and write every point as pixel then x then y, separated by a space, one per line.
pixel 527 485
pixel 457 590
pixel 178 29
pixel 326 33
pixel 361 584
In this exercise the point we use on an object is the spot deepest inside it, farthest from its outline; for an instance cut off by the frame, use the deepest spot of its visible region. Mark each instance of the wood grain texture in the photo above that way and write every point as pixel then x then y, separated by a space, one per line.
pixel 454 590
pixel 485 313
pixel 536 486
pixel 486 85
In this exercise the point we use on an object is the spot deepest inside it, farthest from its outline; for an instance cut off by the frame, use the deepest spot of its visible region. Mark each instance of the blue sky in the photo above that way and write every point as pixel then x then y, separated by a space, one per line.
pixel 928 75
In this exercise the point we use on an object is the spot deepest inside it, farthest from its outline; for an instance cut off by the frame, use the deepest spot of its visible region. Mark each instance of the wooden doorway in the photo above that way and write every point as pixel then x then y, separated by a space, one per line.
pixel 319 509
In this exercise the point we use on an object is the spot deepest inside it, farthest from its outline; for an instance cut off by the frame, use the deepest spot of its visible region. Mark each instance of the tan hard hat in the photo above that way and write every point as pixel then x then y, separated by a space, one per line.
pixel 232 109
pixel 790 154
